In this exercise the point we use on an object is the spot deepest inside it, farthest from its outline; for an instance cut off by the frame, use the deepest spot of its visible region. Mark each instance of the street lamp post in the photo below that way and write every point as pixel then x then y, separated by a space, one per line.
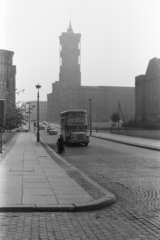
pixel 29 116
pixel 38 87
pixel 90 101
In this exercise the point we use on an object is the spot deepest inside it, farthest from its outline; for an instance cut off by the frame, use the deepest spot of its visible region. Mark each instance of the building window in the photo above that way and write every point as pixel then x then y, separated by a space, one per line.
pixel 155 96
pixel 150 109
pixel 150 97
pixel 155 109
pixel 154 84
pixel 60 61
pixel 3 69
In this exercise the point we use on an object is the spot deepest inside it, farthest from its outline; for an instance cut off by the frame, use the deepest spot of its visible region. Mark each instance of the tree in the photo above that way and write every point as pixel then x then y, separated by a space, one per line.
pixel 14 116
pixel 115 117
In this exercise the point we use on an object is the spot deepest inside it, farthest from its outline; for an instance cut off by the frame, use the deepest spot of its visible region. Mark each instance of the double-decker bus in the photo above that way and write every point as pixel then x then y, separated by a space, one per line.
pixel 74 126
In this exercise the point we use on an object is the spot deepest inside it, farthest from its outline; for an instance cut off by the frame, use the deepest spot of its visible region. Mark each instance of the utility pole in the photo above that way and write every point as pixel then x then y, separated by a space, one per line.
pixel 90 101
pixel 38 87
pixel 118 116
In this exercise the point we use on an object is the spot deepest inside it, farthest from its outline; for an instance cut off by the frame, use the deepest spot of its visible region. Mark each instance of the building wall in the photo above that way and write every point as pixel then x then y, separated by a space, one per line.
pixel 53 103
pixel 42 111
pixel 139 96
pixel 49 106
pixel 70 58
pixel 67 93
pixel 148 92
pixel 7 73
pixel 104 101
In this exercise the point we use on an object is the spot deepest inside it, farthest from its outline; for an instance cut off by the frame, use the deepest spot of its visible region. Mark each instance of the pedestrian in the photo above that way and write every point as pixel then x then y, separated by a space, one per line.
pixel 60 144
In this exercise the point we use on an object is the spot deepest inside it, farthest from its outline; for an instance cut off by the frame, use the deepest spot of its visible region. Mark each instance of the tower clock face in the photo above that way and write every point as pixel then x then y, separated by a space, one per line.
pixel 71 45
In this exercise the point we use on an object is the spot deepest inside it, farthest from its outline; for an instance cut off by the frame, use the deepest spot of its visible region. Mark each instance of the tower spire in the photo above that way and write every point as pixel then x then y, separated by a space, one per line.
pixel 70 26
pixel 70 18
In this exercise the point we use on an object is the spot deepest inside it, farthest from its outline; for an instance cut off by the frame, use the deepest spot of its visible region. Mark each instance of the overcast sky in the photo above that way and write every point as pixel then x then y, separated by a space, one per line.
pixel 118 38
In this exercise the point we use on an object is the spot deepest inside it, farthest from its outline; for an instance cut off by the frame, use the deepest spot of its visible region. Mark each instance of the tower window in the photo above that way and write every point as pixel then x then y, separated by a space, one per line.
pixel 60 61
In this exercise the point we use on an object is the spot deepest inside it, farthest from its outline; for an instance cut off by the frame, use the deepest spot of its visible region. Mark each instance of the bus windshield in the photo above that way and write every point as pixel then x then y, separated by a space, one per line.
pixel 75 128
pixel 74 119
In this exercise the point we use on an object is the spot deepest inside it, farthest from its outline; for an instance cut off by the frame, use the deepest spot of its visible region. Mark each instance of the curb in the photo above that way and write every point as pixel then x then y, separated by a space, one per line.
pixel 128 143
pixel 79 207
pixel 5 145
pixel 91 205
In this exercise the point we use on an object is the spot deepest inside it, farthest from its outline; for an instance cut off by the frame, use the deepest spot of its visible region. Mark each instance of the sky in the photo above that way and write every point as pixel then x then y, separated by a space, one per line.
pixel 118 38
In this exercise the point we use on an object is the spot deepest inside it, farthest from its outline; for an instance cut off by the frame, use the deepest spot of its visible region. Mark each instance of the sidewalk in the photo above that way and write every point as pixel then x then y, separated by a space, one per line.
pixel 133 141
pixel 30 180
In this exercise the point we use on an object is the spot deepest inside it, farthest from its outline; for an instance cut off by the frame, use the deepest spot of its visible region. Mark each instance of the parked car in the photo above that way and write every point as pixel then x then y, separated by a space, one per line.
pixel 41 127
pixel 22 129
pixel 48 127
pixel 52 131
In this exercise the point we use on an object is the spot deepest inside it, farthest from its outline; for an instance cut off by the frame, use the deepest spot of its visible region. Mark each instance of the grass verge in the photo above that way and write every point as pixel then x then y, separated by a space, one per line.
pixel 7 136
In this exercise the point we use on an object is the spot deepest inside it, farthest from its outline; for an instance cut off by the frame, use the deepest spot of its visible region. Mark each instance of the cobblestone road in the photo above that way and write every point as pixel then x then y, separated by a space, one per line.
pixel 132 174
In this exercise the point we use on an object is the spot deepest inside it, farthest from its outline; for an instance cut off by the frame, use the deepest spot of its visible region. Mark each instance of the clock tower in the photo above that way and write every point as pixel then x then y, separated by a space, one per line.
pixel 70 74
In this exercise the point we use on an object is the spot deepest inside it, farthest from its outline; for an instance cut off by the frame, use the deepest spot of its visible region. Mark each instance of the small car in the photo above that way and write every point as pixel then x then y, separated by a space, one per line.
pixel 48 127
pixel 41 127
pixel 22 129
pixel 52 131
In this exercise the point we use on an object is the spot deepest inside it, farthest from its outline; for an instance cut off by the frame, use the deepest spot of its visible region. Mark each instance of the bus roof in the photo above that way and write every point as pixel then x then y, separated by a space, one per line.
pixel 74 111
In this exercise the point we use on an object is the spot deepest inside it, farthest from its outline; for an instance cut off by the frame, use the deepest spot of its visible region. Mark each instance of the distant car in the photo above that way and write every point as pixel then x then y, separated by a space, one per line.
pixel 41 127
pixel 48 127
pixel 22 129
pixel 52 131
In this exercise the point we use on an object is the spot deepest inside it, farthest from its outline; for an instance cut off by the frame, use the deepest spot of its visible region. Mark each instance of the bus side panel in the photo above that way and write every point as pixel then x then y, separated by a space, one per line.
pixel 63 127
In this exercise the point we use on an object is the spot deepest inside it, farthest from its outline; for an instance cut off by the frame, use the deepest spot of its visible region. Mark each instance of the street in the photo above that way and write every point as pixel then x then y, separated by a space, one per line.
pixel 131 173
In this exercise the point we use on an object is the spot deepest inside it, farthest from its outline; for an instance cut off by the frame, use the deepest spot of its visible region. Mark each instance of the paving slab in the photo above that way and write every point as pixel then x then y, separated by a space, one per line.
pixel 31 180
pixel 151 144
